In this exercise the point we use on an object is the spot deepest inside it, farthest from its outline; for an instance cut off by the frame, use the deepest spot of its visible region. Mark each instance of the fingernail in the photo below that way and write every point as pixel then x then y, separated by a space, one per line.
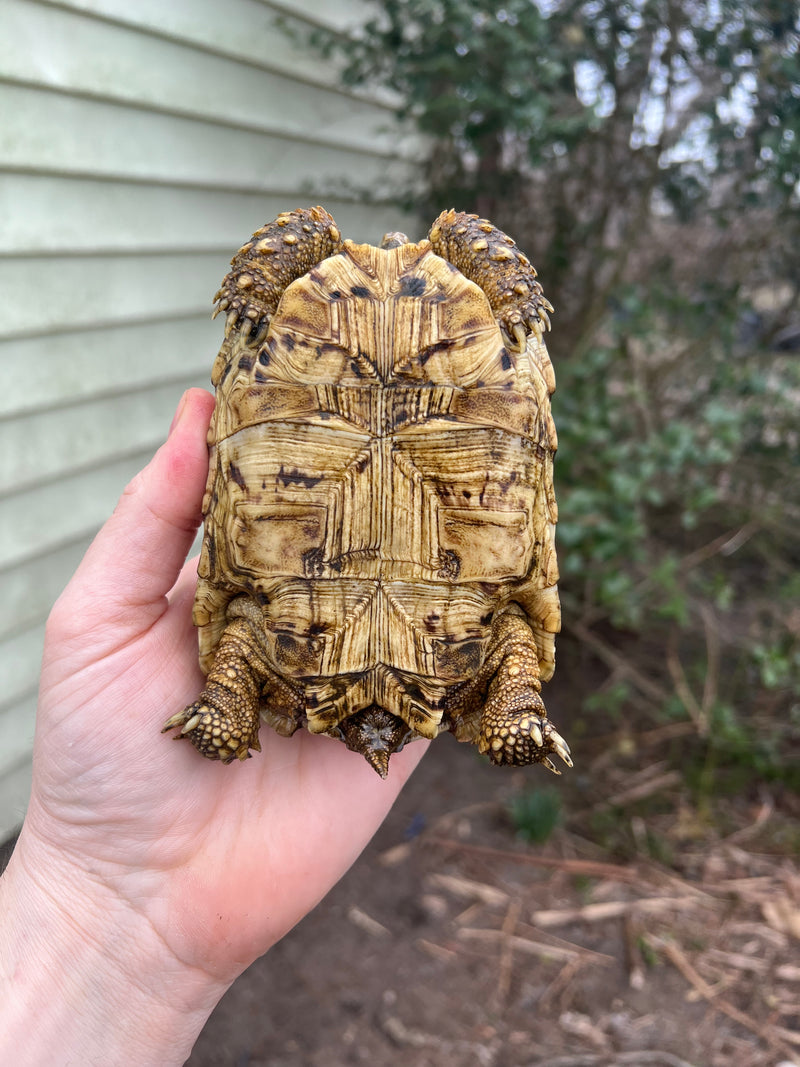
pixel 176 418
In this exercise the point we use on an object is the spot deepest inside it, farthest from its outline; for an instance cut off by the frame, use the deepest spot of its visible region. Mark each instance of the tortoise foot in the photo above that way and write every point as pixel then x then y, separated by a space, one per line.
pixel 521 738
pixel 513 726
pixel 223 722
pixel 216 727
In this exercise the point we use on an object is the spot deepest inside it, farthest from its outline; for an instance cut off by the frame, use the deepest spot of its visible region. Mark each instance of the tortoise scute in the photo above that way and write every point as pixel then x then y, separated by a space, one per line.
pixel 379 558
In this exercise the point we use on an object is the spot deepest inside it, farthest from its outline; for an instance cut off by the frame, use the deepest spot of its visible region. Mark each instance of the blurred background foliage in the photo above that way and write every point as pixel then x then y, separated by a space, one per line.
pixel 646 156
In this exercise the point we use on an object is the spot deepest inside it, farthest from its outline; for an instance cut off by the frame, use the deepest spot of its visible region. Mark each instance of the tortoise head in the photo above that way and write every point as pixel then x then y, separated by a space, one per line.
pixel 376 734
pixel 394 239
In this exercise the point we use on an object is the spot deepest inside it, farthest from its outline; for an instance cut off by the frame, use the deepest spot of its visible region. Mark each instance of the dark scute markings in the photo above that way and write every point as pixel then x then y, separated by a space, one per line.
pixel 313 562
pixel 440 346
pixel 236 475
pixel 264 357
pixel 294 653
pixel 359 290
pixel 211 549
pixel 449 564
pixel 506 361
pixel 411 285
pixel 463 658
pixel 296 477
pixel 246 362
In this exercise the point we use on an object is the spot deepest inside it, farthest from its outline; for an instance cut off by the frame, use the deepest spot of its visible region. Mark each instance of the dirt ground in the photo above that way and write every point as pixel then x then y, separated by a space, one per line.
pixel 452 943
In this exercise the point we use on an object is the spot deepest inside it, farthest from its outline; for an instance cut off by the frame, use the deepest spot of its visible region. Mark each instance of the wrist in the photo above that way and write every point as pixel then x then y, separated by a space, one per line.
pixel 85 978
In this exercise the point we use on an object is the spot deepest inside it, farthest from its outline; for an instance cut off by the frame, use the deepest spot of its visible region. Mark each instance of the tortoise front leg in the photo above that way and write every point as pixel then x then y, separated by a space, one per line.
pixel 276 255
pixel 490 258
pixel 223 722
pixel 501 710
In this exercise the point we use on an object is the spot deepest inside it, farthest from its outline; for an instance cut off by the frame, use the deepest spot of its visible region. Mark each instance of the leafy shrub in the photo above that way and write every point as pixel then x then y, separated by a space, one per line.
pixel 679 485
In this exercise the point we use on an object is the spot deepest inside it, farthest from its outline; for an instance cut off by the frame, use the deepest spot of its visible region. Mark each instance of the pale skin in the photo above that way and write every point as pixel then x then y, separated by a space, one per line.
pixel 146 878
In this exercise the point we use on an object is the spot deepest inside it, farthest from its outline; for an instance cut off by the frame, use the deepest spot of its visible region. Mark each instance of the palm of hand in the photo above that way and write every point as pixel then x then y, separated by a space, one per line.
pixel 220 861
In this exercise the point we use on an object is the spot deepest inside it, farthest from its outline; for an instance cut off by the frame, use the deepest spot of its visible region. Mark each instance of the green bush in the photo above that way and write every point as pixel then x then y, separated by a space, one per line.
pixel 678 477
pixel 646 157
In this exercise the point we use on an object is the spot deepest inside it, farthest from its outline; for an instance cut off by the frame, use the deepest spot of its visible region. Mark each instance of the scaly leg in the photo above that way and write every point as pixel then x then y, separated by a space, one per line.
pixel 223 722
pixel 275 256
pixel 489 257
pixel 501 710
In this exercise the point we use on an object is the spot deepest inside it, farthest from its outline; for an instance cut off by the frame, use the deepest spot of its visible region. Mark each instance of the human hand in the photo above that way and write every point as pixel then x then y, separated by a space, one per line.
pixel 198 868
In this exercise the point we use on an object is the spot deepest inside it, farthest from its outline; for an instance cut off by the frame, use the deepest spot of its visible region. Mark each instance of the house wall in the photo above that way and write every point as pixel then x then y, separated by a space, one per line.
pixel 140 145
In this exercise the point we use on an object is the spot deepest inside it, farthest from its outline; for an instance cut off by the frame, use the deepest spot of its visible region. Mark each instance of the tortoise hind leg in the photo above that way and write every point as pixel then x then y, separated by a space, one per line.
pixel 223 722
pixel 502 711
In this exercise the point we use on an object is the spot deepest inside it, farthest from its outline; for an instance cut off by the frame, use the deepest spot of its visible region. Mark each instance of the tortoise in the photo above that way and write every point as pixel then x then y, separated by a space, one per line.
pixel 378 562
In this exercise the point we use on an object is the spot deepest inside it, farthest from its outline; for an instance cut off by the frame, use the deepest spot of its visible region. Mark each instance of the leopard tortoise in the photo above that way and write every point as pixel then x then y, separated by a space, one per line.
pixel 379 562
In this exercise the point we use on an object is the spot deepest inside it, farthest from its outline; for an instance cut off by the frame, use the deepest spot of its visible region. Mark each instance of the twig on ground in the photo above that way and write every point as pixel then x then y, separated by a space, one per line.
pixel 507 945
pixel 590 868
pixel 612 909
pixel 561 983
pixel 542 949
pixel 642 790
pixel 469 889
pixel 682 687
pixel 682 964
pixel 648 1057
pixel 633 953
pixel 436 951
pixel 726 544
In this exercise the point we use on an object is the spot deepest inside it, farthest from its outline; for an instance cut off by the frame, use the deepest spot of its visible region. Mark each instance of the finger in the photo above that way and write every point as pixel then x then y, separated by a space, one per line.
pixel 136 557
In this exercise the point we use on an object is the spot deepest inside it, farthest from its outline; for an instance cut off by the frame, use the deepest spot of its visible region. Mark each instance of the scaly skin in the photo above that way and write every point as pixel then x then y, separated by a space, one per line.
pixel 489 257
pixel 501 709
pixel 276 255
pixel 223 722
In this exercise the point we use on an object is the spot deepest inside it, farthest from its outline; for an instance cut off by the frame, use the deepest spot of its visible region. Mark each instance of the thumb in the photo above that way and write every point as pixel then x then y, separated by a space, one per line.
pixel 136 557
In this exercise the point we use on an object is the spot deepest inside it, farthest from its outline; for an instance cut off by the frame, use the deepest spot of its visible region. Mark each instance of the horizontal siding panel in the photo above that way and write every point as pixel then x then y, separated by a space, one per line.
pixel 15 788
pixel 140 145
pixel 251 30
pixel 47 131
pixel 46 518
pixel 28 591
pixel 50 444
pixel 16 733
pixel 105 289
pixel 86 364
pixel 58 49
pixel 21 658
pixel 82 215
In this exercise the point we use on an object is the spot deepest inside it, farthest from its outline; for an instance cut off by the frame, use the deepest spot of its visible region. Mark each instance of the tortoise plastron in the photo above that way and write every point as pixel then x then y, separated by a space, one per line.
pixel 379 561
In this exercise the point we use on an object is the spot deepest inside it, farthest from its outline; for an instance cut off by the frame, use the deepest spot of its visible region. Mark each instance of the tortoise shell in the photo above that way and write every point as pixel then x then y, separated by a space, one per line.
pixel 378 561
